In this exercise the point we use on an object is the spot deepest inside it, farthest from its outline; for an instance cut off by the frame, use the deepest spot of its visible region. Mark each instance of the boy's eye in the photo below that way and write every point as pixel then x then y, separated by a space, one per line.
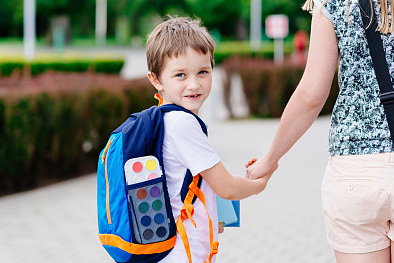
pixel 203 72
pixel 180 75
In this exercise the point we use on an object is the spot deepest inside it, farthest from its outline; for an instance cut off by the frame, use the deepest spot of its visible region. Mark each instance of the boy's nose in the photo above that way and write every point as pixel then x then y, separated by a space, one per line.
pixel 193 84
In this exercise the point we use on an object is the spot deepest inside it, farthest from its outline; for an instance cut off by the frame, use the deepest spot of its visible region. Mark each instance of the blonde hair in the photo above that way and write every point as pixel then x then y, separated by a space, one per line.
pixel 384 14
pixel 172 37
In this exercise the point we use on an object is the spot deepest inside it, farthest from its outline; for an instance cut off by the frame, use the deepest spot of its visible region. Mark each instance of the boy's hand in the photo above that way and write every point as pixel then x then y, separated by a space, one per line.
pixel 251 162
pixel 220 228
pixel 263 167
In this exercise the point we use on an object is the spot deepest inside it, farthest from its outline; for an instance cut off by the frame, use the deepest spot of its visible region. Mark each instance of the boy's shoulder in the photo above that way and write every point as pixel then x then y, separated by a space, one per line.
pixel 179 116
pixel 180 120
pixel 183 124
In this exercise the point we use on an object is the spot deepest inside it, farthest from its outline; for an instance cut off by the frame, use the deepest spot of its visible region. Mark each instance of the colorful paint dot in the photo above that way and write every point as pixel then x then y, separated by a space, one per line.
pixel 137 167
pixel 143 207
pixel 146 220
pixel 148 234
pixel 161 232
pixel 157 205
pixel 152 176
pixel 159 218
pixel 155 191
pixel 142 194
pixel 150 165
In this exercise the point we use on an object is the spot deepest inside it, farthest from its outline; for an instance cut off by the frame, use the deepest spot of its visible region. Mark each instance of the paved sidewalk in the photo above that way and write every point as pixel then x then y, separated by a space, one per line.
pixel 284 224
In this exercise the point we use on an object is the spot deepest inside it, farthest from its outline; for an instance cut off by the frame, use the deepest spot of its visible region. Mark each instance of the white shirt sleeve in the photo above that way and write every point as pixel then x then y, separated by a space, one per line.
pixel 191 145
pixel 318 3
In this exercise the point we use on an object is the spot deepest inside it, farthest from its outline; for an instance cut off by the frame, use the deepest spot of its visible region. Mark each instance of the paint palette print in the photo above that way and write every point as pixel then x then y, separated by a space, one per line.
pixel 142 169
pixel 146 199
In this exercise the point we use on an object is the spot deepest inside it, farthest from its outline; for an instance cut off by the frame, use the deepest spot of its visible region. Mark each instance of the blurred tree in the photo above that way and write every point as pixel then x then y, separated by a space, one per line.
pixel 222 15
pixel 151 8
pixel 229 18
pixel 11 18
pixel 80 13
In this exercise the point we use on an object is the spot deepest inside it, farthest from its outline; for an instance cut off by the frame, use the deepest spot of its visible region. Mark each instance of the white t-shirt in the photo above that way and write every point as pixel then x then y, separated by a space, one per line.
pixel 185 146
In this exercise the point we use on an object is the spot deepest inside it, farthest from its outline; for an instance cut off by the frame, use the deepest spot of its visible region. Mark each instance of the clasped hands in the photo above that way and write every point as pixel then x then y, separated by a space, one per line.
pixel 259 168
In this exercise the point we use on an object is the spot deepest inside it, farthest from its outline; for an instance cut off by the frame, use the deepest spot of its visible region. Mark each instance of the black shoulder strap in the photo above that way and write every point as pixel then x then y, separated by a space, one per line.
pixel 188 176
pixel 379 61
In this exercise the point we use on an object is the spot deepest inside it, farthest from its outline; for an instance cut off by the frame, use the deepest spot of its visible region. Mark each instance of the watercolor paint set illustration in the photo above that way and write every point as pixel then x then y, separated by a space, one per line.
pixel 146 199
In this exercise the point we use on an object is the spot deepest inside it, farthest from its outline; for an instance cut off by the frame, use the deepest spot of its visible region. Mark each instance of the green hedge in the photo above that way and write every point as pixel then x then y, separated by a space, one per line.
pixel 243 49
pixel 222 55
pixel 51 137
pixel 38 67
pixel 6 68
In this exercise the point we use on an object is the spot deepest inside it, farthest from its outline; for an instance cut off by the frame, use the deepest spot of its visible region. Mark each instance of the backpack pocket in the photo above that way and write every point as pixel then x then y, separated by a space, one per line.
pixel 150 211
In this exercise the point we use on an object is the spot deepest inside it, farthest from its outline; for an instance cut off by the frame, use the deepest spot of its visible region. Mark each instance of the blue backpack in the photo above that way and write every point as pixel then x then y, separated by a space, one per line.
pixel 135 219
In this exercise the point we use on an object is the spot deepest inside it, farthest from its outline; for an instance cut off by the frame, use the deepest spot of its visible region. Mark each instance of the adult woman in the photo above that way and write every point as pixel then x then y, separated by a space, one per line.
pixel 358 187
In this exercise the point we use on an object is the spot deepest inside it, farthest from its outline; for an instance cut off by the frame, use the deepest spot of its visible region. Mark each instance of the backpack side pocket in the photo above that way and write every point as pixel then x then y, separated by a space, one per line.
pixel 112 203
pixel 150 211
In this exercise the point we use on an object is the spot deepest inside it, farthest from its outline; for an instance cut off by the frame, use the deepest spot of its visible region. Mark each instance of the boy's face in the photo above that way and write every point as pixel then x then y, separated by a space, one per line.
pixel 185 80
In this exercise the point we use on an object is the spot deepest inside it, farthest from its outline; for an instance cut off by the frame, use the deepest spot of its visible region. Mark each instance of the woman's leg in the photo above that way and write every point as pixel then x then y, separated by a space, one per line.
pixel 381 256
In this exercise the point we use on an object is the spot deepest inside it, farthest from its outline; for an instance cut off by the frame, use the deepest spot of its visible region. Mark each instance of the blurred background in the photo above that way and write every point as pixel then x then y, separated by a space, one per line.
pixel 72 71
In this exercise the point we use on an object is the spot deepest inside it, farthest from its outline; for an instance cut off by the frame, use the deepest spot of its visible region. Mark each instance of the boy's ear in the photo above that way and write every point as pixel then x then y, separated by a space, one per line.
pixel 155 81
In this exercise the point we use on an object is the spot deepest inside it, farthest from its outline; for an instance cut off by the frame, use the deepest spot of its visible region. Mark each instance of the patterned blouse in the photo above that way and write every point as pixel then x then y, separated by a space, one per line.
pixel 358 122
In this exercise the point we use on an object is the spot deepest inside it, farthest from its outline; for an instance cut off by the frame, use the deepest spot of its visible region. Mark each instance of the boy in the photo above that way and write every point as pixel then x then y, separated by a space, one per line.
pixel 180 63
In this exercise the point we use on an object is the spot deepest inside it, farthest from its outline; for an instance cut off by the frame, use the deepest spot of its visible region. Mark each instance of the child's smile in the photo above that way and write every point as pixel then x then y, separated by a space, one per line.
pixel 196 96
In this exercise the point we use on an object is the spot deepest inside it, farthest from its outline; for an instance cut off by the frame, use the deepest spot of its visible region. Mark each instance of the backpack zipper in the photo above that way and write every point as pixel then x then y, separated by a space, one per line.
pixel 104 157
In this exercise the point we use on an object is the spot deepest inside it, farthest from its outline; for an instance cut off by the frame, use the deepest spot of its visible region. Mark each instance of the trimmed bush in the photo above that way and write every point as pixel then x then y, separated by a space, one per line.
pixel 58 133
pixel 269 86
pixel 110 67
pixel 221 56
pixel 17 146
pixel 38 67
pixel 229 49
pixel 6 68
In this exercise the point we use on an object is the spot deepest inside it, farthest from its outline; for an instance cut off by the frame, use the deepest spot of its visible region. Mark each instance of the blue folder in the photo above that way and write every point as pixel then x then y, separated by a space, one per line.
pixel 228 212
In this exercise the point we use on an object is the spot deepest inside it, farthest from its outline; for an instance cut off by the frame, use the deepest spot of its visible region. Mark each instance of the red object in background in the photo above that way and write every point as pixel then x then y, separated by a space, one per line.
pixel 300 40
pixel 300 43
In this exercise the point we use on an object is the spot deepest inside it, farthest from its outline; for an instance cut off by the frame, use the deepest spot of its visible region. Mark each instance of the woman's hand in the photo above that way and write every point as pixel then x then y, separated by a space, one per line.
pixel 260 168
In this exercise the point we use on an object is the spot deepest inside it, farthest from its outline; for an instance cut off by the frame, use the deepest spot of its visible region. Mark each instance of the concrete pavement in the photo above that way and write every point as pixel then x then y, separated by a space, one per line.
pixel 284 224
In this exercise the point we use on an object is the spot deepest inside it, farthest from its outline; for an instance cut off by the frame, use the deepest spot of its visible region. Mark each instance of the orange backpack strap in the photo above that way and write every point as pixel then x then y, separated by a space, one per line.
pixel 187 211
pixel 159 98
pixel 137 249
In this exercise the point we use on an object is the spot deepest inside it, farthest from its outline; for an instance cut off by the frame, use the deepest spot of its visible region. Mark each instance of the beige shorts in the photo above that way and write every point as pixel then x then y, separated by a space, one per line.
pixel 358 202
